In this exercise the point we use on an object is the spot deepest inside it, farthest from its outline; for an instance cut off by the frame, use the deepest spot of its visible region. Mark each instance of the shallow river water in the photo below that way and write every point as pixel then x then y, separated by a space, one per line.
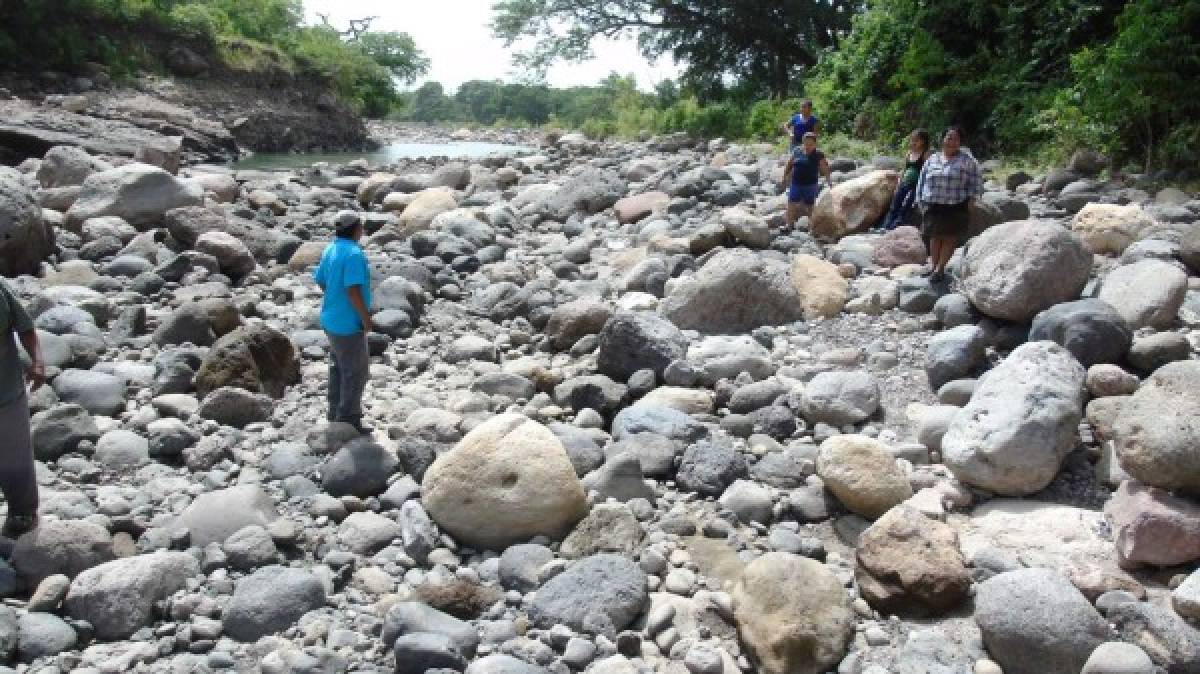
pixel 386 154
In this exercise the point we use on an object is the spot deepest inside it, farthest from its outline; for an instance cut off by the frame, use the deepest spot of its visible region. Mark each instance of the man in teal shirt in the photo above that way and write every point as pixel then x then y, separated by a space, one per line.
pixel 346 318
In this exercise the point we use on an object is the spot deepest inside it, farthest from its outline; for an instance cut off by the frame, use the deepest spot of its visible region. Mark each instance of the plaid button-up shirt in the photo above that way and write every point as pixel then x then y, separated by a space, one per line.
pixel 949 181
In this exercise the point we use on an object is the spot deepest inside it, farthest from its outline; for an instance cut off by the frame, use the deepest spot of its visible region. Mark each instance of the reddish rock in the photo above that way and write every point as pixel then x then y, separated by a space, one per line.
pixel 1153 527
pixel 639 206
pixel 902 245
pixel 909 564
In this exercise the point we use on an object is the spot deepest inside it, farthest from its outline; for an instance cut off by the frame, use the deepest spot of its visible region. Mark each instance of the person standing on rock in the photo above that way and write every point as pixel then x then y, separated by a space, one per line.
pixel 949 180
pixel 18 479
pixel 906 190
pixel 346 318
pixel 801 123
pixel 802 178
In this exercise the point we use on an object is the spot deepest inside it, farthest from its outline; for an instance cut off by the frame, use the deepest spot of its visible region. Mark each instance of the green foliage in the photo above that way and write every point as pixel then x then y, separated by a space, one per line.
pixel 431 104
pixel 764 45
pixel 199 22
pixel 246 35
pixel 263 20
pixel 1034 78
pixel 1138 96
pixel 766 117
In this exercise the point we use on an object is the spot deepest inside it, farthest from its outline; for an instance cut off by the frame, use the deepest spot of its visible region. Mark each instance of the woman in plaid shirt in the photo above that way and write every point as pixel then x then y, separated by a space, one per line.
pixel 948 181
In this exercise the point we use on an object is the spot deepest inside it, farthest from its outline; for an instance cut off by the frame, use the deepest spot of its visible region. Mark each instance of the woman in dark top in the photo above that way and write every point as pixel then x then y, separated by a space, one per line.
pixel 906 191
pixel 802 174
pixel 948 182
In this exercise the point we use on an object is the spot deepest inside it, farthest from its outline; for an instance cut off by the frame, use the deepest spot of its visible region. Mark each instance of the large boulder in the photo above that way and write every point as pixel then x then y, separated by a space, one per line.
pixel 1110 228
pixel 1154 630
pixel 631 341
pixel 840 398
pixel 67 165
pixel 1021 422
pixel 271 600
pixel 862 474
pixel 25 240
pixel 235 407
pixel 709 466
pixel 1147 293
pixel 725 357
pixel 600 594
pixel 97 392
pixel 255 357
pixel 507 481
pixel 1016 269
pixel 902 245
pixel 233 257
pixel 748 228
pixel 637 207
pixel 1089 328
pixel 576 319
pixel 360 468
pixel 117 598
pixel 822 288
pixel 186 225
pixel 216 515
pixel 590 191
pixel 792 614
pixel 1157 430
pixel 910 564
pixel 735 291
pixel 138 193
pixel 1034 621
pixel 419 214
pixel 954 354
pixel 411 617
pixel 66 547
pixel 853 206
pixel 1150 526
pixel 60 429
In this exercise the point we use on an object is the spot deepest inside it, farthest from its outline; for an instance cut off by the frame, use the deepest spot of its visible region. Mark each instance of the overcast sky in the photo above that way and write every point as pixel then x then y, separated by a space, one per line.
pixel 454 34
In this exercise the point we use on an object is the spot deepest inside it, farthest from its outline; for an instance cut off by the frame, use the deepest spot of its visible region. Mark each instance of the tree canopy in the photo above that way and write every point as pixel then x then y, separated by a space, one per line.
pixel 764 46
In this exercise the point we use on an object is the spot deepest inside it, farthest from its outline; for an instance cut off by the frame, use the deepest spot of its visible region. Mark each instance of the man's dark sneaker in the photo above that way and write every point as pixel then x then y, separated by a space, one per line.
pixel 937 277
pixel 16 525
pixel 363 430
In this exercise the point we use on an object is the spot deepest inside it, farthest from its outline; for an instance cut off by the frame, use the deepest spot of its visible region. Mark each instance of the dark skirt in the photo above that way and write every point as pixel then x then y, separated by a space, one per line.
pixel 944 221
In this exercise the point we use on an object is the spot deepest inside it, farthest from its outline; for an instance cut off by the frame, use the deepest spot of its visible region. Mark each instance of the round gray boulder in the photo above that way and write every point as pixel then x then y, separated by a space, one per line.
pixel 271 600
pixel 1016 269
pixel 1091 329
pixel 1021 422
pixel 601 594
pixel 1034 621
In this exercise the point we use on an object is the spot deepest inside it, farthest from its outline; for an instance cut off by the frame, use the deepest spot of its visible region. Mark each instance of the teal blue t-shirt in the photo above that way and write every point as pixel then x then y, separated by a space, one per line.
pixel 343 264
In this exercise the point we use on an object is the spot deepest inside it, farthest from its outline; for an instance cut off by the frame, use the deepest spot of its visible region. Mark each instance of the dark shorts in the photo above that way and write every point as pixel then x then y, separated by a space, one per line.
pixel 806 194
pixel 944 221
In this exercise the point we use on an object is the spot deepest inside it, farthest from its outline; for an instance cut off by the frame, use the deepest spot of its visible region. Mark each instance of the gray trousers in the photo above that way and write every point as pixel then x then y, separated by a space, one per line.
pixel 348 370
pixel 18 479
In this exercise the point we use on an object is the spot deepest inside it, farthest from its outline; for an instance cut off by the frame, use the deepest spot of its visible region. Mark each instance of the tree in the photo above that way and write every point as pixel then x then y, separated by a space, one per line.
pixel 395 51
pixel 1138 96
pixel 990 67
pixel 430 104
pixel 768 44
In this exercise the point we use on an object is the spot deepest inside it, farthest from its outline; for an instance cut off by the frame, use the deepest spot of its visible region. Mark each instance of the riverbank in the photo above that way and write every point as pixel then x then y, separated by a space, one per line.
pixel 624 421
pixel 193 119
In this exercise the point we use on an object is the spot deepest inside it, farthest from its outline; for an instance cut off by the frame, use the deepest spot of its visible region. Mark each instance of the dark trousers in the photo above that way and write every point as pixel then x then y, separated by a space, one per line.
pixel 902 203
pixel 349 365
pixel 18 479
